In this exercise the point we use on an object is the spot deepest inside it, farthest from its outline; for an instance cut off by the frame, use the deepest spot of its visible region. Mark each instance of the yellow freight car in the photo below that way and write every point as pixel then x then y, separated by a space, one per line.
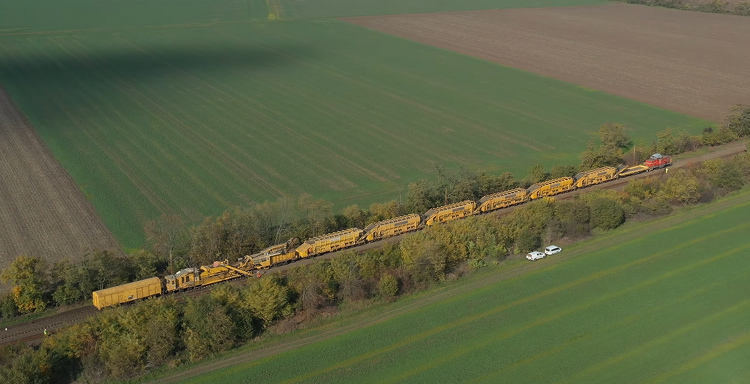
pixel 502 200
pixel 329 243
pixel 595 176
pixel 552 187
pixel 274 255
pixel 629 171
pixel 449 212
pixel 391 227
pixel 127 292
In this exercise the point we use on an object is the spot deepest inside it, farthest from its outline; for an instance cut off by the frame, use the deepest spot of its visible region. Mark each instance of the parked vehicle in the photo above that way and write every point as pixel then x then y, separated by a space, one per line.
pixel 552 249
pixel 535 255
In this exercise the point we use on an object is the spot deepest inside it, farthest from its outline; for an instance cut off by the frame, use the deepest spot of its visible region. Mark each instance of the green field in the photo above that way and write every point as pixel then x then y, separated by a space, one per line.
pixel 661 302
pixel 195 120
pixel 24 16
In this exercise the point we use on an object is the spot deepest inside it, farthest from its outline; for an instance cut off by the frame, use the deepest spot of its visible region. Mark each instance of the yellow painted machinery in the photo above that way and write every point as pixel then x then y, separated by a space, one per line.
pixel 329 243
pixel 208 274
pixel 630 171
pixel 274 255
pixel 449 212
pixel 552 187
pixel 595 176
pixel 391 227
pixel 502 200
pixel 127 292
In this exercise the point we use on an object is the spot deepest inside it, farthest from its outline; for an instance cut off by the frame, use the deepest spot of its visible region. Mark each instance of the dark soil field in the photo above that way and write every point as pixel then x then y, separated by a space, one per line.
pixel 689 62
pixel 42 211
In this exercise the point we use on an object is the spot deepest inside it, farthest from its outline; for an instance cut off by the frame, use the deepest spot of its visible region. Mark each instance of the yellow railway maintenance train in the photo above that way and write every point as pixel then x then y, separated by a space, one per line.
pixel 292 250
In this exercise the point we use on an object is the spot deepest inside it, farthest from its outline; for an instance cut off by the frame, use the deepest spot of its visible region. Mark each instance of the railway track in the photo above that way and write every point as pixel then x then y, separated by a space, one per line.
pixel 32 331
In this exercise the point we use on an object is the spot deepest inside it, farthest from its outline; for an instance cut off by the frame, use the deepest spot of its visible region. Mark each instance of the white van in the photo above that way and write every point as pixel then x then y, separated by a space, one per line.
pixel 552 249
pixel 535 255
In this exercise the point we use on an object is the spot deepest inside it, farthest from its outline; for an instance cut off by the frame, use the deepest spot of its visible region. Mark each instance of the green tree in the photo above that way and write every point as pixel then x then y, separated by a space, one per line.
pixel 28 275
pixel 208 328
pixel 168 237
pixel 388 286
pixel 420 197
pixel 665 142
pixel 606 213
pixel 536 174
pixel 729 176
pixel 738 120
pixel 613 137
pixel 682 187
pixel 559 171
pixel 268 299
pixel 423 258
pixel 528 240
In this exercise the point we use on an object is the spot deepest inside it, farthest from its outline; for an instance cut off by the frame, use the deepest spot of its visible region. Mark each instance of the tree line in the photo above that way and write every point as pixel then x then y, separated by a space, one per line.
pixel 741 8
pixel 128 341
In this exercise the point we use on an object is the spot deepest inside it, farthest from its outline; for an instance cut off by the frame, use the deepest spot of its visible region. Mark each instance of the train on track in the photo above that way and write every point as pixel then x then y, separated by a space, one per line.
pixel 293 250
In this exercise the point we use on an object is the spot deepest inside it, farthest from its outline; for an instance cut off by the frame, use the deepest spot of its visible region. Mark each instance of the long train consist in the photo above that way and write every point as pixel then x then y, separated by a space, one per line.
pixel 292 250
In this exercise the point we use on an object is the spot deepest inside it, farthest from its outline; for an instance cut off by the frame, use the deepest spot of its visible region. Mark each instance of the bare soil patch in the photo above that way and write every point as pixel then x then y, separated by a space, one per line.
pixel 42 211
pixel 689 62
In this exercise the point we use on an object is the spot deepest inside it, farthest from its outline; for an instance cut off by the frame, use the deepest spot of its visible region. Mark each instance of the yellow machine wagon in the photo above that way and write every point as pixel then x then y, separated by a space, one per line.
pixel 392 227
pixel 552 187
pixel 502 200
pixel 595 176
pixel 127 292
pixel 329 243
pixel 449 212
pixel 274 255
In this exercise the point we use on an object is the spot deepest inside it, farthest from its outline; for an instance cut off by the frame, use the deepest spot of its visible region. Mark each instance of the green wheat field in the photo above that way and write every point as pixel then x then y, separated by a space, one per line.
pixel 174 112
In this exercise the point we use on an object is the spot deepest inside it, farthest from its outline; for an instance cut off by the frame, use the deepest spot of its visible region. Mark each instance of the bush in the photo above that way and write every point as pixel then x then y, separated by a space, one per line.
pixel 424 259
pixel 729 177
pixel 388 286
pixel 606 214
pixel 681 187
pixel 742 9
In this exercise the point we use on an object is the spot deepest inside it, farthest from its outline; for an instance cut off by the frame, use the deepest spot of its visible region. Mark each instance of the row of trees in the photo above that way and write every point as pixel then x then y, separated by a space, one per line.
pixel 173 244
pixel 741 8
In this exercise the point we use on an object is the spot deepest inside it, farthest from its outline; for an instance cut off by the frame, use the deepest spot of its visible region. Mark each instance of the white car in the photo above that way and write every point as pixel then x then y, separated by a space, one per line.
pixel 552 249
pixel 535 255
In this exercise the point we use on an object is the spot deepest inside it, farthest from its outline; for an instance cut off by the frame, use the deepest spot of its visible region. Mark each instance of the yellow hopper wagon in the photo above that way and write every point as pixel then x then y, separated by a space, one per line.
pixel 449 212
pixel 552 187
pixel 391 227
pixel 127 292
pixel 329 243
pixel 502 200
pixel 595 176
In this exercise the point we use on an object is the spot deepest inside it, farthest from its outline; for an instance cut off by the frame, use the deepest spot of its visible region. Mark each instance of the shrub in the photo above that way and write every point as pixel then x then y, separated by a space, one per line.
pixel 682 187
pixel 388 286
pixel 606 214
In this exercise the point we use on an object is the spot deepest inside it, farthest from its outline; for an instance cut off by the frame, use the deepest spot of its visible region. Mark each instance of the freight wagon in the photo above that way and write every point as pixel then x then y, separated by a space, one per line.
pixel 126 293
pixel 552 187
pixel 392 227
pixel 502 200
pixel 274 255
pixel 449 212
pixel 595 176
pixel 329 243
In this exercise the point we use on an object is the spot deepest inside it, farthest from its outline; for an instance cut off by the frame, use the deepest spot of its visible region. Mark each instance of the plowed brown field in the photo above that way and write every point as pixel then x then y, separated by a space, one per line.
pixel 690 62
pixel 42 211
